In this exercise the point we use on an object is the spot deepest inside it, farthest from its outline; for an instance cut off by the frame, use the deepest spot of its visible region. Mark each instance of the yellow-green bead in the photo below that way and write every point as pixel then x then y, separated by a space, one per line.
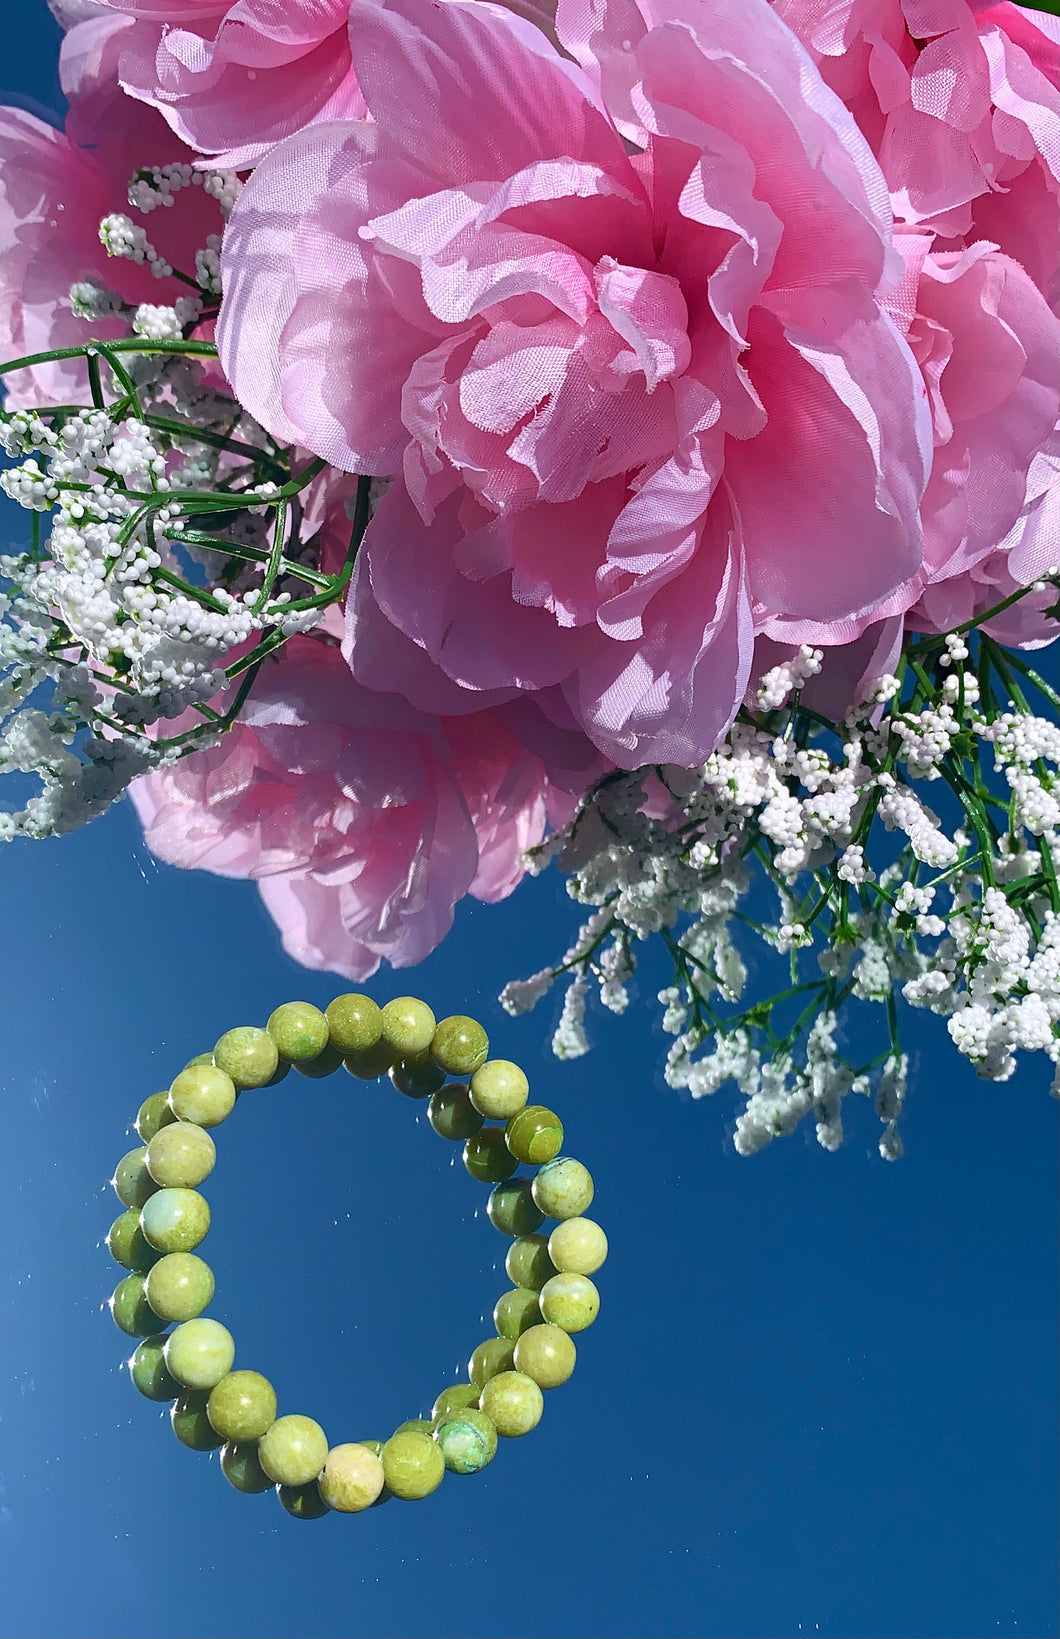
pixel 528 1263
pixel 352 1479
pixel 451 1402
pixel 515 1311
pixel 293 1450
pixel 376 1448
pixel 369 1063
pixel 242 1468
pixel 452 1114
pixel 154 1114
pixel 303 1501
pixel 495 1355
pixel 175 1220
pixel 354 1022
pixel 149 1371
pixel 416 1425
pixel 513 1403
pixel 534 1135
pixel 512 1209
pixel 181 1156
pixel 487 1157
pixel 131 1310
pixel 546 1354
pixel 179 1286
pixel 127 1243
pixel 247 1054
pixel 563 1188
pixel 242 1406
pixel 200 1058
pixel 132 1182
pixel 413 1466
pixel 570 1301
pixel 191 1424
pixel 203 1095
pixel 467 1442
pixel 325 1063
pixel 416 1075
pixel 459 1045
pixel 299 1030
pixel 408 1026
pixel 499 1089
pixel 578 1246
pixel 200 1353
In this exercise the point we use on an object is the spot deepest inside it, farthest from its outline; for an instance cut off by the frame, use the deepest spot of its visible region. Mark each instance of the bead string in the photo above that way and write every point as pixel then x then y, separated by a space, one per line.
pixel 166 1218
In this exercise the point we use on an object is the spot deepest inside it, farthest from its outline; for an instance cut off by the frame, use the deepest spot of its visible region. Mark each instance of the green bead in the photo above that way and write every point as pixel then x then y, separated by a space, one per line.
pixel 131 1310
pixel 459 1045
pixel 495 1355
pixel 416 1425
pixel 512 1209
pixel 203 1095
pixel 154 1114
pixel 354 1022
pixel 417 1075
pixel 175 1220
pixel 149 1371
pixel 191 1424
pixel 200 1058
pixel 132 1182
pixel 181 1156
pixel 487 1157
pixel 515 1311
pixel 408 1026
pixel 528 1263
pixel 451 1402
pixel 376 1448
pixel 563 1188
pixel 546 1354
pixel 513 1403
pixel 179 1286
pixel 127 1243
pixel 326 1063
pixel 352 1480
pixel 413 1466
pixel 242 1406
pixel 369 1063
pixel 534 1135
pixel 293 1450
pixel 241 1467
pixel 570 1301
pixel 303 1501
pixel 200 1353
pixel 499 1089
pixel 452 1114
pixel 299 1030
pixel 577 1246
pixel 248 1055
pixel 467 1442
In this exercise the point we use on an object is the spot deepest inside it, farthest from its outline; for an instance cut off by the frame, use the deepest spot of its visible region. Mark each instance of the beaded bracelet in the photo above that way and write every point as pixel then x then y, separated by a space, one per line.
pixel 166 1218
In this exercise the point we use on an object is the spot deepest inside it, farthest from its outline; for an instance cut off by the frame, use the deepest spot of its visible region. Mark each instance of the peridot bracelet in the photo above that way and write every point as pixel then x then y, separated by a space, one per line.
pixel 166 1218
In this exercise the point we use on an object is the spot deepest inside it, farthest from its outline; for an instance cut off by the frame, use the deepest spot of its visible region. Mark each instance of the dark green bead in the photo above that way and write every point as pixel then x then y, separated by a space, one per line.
pixel 240 1467
pixel 516 1312
pixel 534 1135
pixel 417 1076
pixel 512 1208
pixel 303 1501
pixel 451 1402
pixel 416 1425
pixel 128 1245
pixel 154 1113
pixel 148 1370
pixel 131 1310
pixel 487 1157
pixel 191 1424
pixel 452 1114
pixel 200 1058
pixel 132 1182
pixel 322 1065
pixel 528 1262
pixel 459 1045
pixel 496 1354
pixel 369 1063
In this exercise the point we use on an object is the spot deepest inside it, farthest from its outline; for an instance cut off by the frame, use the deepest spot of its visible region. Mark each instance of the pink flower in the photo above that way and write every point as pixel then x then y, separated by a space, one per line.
pixel 634 404
pixel 362 820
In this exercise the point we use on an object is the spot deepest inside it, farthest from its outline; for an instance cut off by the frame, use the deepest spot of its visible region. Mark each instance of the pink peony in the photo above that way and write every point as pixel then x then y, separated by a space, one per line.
pixel 362 820
pixel 635 404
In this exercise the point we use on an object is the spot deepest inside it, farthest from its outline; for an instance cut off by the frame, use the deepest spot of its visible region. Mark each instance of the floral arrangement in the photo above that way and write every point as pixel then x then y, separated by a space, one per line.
pixel 462 437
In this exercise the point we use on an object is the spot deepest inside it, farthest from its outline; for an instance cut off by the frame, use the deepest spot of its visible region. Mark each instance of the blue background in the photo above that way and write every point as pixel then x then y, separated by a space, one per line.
pixel 820 1397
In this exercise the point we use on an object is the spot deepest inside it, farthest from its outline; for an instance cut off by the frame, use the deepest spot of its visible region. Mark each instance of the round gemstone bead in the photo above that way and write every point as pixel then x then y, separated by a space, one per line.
pixel 181 1156
pixel 191 1424
pixel 326 1062
pixel 413 1466
pixel 499 1089
pixel 299 1030
pixel 417 1075
pixel 242 1406
pixel 512 1209
pixel 578 1246
pixel 131 1310
pixel 452 1114
pixel 513 1403
pixel 459 1045
pixel 563 1188
pixel 515 1311
pixel 467 1442
pixel 303 1501
pixel 417 1425
pixel 175 1220
pixel 546 1354
pixel 369 1063
pixel 200 1353
pixel 528 1263
pixel 354 1022
pixel 242 1468
pixel 408 1026
pixel 203 1095
pixel 248 1055
pixel 179 1286
pixel 132 1181
pixel 149 1371
pixel 376 1448
pixel 293 1450
pixel 127 1243
pixel 352 1479
pixel 570 1301
pixel 495 1355
pixel 200 1058
pixel 487 1157
pixel 534 1135
pixel 451 1402
pixel 154 1113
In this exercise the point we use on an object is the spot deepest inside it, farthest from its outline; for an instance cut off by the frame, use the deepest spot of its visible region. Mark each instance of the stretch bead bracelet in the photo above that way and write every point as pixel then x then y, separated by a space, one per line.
pixel 168 1284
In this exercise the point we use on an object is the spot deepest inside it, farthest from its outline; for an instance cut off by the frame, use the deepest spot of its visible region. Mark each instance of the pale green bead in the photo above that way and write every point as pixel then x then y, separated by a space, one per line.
pixel 175 1220
pixel 202 1095
pixel 293 1450
pixel 242 1406
pixel 528 1263
pixel 413 1466
pixel 132 1182
pixel 242 1468
pixel 127 1243
pixel 563 1188
pixel 408 1025
pixel 546 1354
pixel 512 1209
pixel 299 1030
pixel 451 1402
pixel 459 1045
pixel 248 1055
pixel 303 1501
pixel 515 1311
pixel 513 1403
pixel 179 1286
pixel 578 1246
pixel 181 1156
pixel 452 1114
pixel 191 1424
pixel 495 1355
pixel 149 1371
pixel 200 1353
pixel 570 1301
pixel 355 1022
pixel 352 1479
pixel 499 1089
pixel 131 1310
pixel 416 1075
pixel 154 1113
pixel 467 1442
pixel 376 1448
